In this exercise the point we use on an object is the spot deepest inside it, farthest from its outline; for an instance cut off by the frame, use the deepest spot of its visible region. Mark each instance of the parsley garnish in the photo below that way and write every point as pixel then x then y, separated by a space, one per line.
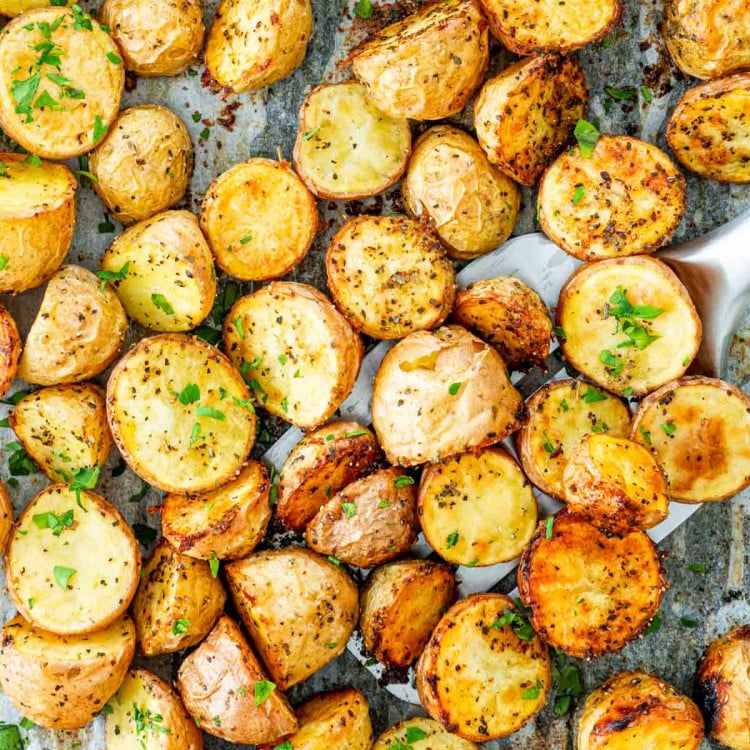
pixel 57 523
pixel 263 690
pixel 566 680
pixel 548 524
pixel 453 388
pixel 350 509
pixel 160 302
pixel 63 575
pixel 402 481
pixel 84 479
pixel 646 435
pixel 189 394
pixel 120 275
pixel 451 540
pixel 578 195
pixel 144 534
pixel 213 564
pixel 614 364
pixel 533 693
pixel 698 568
pixel 100 129
pixel 587 135
pixel 519 624
pixel 180 627
pixel 654 625
pixel 312 133
pixel 669 428
pixel 591 396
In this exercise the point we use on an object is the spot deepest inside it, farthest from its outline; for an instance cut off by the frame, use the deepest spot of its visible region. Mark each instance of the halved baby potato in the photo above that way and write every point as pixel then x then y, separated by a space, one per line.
pixel 6 517
pixel 180 414
pixel 346 148
pixel 228 522
pixel 16 7
pixel 628 324
pixel 526 114
pixel 473 647
pixel 10 350
pixel 421 734
pixel 389 276
pixel 298 607
pixel 73 586
pixel 699 431
pixel 607 587
pixel 289 341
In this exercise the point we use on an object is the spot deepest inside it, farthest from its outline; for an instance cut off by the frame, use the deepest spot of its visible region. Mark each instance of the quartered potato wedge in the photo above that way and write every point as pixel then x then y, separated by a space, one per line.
pixel 430 736
pixel 10 349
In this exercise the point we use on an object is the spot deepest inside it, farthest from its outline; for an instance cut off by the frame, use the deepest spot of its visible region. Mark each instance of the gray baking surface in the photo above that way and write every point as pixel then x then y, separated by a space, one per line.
pixel 261 124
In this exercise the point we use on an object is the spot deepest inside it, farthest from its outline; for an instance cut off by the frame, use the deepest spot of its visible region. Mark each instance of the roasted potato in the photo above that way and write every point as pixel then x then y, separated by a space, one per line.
pixel 75 587
pixel 440 393
pixel 37 218
pixel 626 198
pixel 346 147
pixel 699 430
pixel 63 429
pixel 709 131
pixel 427 65
pixel 400 606
pixel 526 114
pixel 6 517
pixel 472 647
pixel 158 37
pixel 254 44
pixel 63 681
pixel 477 508
pixel 259 219
pixel 298 607
pixel 67 113
pixel 607 587
pixel 722 688
pixel 228 522
pixel 178 601
pixel 77 333
pixel 146 710
pixel 634 709
pixel 430 736
pixel 226 692
pixel 320 465
pixel 163 272
pixel 471 204
pixel 144 164
pixel 509 315
pixel 180 414
pixel 369 522
pixel 10 349
pixel 628 324
pixel 560 414
pixel 16 7
pixel 289 341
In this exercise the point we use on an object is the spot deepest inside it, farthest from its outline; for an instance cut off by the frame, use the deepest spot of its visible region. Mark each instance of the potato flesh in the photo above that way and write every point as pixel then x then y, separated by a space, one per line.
pixel 27 190
pixel 437 738
pixel 10 350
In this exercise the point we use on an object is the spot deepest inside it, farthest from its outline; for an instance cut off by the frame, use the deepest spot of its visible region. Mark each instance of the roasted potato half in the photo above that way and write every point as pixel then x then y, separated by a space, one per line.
pixel 298 607
pixel 628 324
pixel 228 522
pixel 440 393
pixel 10 350
pixel 389 276
pixel 180 414
pixel 421 734
pixel 709 130
pixel 699 430
pixel 346 147
pixel 37 218
pixel 608 587
pixel 634 709
pixel 400 606
pixel 471 204
pixel 288 341
pixel 67 114
pixel 227 692
pixel 321 465
pixel 427 65
pixel 526 114
pixel 6 517
pixel 472 647
pixel 626 198
pixel 63 681
pixel 64 429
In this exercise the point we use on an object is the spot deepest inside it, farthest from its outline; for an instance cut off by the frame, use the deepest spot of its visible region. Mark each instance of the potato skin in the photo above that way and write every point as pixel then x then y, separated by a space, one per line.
pixel 10 350
pixel 16 7
pixel 437 738
pixel 6 517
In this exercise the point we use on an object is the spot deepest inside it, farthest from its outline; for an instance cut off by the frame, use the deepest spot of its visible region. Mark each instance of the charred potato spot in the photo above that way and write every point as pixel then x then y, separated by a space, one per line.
pixel 433 736
pixel 10 350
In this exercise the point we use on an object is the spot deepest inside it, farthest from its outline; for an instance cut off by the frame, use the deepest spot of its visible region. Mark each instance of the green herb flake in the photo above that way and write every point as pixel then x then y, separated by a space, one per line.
pixel 548 446
pixel 100 129
pixel 57 523
pixel 415 734
pixel 698 568
pixel 669 428
pixel 578 195
pixel 613 363
pixel 120 275
pixel 533 693
pixel 402 481
pixel 451 540
pixel 647 94
pixel 239 327
pixel 334 560
pixel 646 435
pixel 383 504
pixel 454 388
pixel 144 534
pixel 592 396
pixel 355 433
pixel 204 134
pixel 686 622
pixel 518 623
pixel 180 627
pixel 106 227
pixel 84 478
pixel 189 394
pixel 312 133
pixel 285 746
pixel 145 488
pixel 654 625
pixel 625 94
pixel 160 302
pixel 113 58
pixel 587 136
pixel 63 575
pixel 262 691
pixel 10 737
pixel 213 564
pixel 350 509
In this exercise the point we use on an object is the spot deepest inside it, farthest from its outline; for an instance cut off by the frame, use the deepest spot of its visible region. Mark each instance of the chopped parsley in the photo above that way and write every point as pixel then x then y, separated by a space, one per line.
pixel 587 136
pixel 144 534
pixel 363 9
pixel 161 303
pixel 533 693
pixel 548 524
pixel 669 428
pixel 451 540
pixel 578 195
pixel 518 623
pixel 210 412
pixel 189 394
pixel 84 479
pixel 654 625
pixel 646 435
pixel 592 396
pixel 263 690
pixel 213 564
pixel 311 134
pixel 100 129
pixel 453 388
pixel 698 568
pixel 120 275
pixel 180 627
pixel 402 481
pixel 350 509
pixel 63 575
pixel 57 523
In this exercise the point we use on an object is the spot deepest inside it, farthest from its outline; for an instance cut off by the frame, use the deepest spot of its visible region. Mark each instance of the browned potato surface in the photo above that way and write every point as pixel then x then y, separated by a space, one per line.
pixel 6 517
pixel 10 350
pixel 432 736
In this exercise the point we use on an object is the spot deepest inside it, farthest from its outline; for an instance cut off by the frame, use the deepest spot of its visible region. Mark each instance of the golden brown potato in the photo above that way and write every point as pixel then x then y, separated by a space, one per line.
pixel 6 517
pixel 634 709
pixel 400 606
pixel 254 44
pixel 699 430
pixel 509 315
pixel 321 465
pixel 371 521
pixel 608 587
pixel 259 219
pixel 709 130
pixel 427 65
pixel 526 114
pixel 37 218
pixel 289 341
pixel 63 429
pixel 472 647
pixel 430 734
pixel 16 7
pixel 77 332
pixel 298 607
pixel 10 350
pixel 722 688
pixel 228 522
pixel 227 692
pixel 346 147
pixel 471 204
pixel 58 105
pixel 63 681
pixel 440 393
